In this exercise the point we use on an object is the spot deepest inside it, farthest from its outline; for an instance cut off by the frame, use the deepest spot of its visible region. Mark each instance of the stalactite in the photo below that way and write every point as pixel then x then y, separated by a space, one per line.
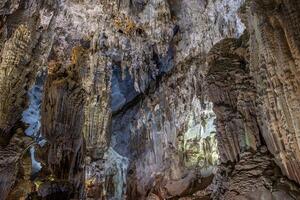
pixel 62 125
pixel 277 47
pixel 13 81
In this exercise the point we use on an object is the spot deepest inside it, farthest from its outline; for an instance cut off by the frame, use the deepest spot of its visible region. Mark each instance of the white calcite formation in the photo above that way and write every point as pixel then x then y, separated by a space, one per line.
pixel 112 176
pixel 32 117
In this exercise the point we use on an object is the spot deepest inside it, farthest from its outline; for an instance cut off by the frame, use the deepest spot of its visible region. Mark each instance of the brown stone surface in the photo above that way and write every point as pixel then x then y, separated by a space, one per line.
pixel 62 124
pixel 22 47
pixel 255 176
pixel 274 63
pixel 231 89
pixel 13 80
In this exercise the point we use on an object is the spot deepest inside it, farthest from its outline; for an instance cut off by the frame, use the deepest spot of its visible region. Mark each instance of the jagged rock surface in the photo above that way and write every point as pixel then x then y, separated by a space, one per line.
pixel 24 43
pixel 144 98
pixel 274 63
pixel 254 176
pixel 62 125
pixel 232 91
pixel 14 81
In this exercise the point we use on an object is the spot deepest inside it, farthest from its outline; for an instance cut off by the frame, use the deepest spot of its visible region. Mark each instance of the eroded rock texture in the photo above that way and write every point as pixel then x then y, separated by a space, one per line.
pixel 24 42
pixel 149 99
pixel 14 55
pixel 274 63
pixel 255 176
pixel 232 90
pixel 62 125
pixel 249 172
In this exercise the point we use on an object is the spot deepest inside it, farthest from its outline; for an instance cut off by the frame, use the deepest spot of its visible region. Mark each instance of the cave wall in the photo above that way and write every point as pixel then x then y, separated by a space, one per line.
pixel 25 42
pixel 149 99
pixel 233 93
pixel 248 169
pixel 259 108
pixel 274 55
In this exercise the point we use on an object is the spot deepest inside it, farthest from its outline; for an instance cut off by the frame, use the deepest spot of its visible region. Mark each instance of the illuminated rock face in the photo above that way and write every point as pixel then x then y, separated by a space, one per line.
pixel 110 181
pixel 232 90
pixel 200 143
pixel 32 117
pixel 149 99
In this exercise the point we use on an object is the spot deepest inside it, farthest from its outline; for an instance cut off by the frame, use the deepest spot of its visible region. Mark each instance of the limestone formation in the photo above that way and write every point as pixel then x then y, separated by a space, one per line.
pixel 13 81
pixel 149 99
pixel 274 63
pixel 23 50
pixel 62 125
pixel 11 166
pixel 255 176
pixel 232 90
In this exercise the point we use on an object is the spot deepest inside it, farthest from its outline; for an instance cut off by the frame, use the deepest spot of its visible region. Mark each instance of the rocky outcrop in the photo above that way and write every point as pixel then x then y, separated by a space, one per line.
pixel 24 43
pixel 12 168
pixel 254 176
pixel 274 55
pixel 233 93
pixel 62 125
pixel 13 81
pixel 242 78
pixel 177 142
